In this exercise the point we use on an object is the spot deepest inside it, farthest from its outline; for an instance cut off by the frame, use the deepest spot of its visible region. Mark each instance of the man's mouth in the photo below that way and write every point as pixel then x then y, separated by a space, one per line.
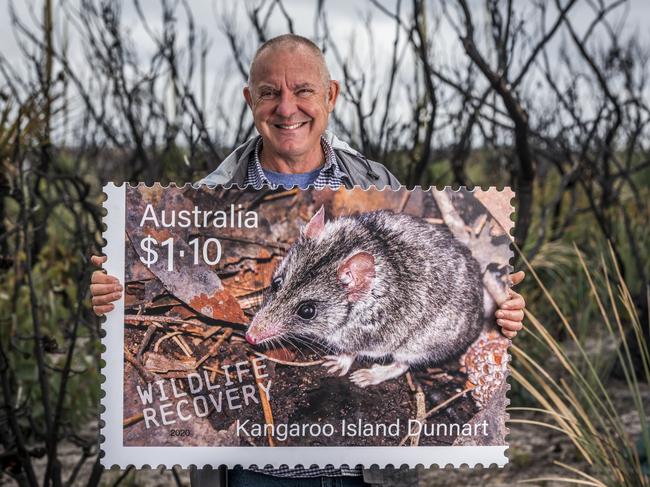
pixel 289 126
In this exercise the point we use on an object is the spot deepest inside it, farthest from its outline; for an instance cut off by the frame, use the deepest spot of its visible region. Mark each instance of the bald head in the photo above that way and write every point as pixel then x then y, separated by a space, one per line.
pixel 291 96
pixel 289 43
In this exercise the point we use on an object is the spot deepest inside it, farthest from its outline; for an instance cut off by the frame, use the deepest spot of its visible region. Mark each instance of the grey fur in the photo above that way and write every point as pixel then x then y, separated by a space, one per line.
pixel 426 302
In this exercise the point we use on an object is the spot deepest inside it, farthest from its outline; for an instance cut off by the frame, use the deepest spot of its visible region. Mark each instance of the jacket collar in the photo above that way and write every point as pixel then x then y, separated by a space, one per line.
pixel 234 167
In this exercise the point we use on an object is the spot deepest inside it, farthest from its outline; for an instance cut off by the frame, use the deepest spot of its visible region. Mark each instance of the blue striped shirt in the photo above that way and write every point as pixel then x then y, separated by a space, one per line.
pixel 330 174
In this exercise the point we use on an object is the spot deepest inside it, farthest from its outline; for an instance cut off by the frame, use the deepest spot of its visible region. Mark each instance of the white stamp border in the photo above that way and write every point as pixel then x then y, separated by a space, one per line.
pixel 114 453
pixel 111 429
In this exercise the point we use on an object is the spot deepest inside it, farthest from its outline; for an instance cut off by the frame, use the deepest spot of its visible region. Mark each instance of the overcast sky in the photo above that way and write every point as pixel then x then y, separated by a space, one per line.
pixel 345 19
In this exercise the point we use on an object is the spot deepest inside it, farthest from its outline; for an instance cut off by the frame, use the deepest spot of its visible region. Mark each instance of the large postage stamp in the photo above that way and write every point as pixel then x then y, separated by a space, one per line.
pixel 300 327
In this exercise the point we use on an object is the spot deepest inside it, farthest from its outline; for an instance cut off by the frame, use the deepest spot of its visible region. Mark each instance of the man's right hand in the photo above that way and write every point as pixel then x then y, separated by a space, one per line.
pixel 104 288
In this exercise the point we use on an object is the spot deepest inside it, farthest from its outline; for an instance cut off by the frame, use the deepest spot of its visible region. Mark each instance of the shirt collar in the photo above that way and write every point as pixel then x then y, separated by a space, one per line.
pixel 331 165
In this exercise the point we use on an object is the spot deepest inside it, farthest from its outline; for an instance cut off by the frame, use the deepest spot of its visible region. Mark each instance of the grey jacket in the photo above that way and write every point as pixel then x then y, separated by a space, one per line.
pixel 357 170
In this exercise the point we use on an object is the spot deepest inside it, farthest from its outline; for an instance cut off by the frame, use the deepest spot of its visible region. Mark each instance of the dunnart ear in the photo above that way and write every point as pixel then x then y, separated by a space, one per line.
pixel 357 273
pixel 316 224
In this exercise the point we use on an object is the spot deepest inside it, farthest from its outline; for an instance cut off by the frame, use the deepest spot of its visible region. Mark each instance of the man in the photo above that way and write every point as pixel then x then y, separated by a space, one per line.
pixel 291 95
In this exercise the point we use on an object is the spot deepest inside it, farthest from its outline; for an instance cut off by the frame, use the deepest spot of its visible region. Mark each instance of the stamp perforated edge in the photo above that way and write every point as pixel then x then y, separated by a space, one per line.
pixel 115 454
pixel 112 451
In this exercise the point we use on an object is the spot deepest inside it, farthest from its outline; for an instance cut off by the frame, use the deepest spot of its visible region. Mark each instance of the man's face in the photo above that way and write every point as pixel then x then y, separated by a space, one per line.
pixel 290 101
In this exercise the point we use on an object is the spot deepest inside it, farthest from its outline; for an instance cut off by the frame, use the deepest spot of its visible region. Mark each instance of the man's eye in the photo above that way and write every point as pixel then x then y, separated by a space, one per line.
pixel 305 92
pixel 267 95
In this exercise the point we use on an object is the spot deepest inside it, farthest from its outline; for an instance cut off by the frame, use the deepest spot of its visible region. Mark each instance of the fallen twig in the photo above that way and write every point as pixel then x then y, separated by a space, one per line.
pixel 164 364
pixel 145 341
pixel 435 221
pixel 189 327
pixel 163 338
pixel 142 370
pixel 409 381
pixel 273 245
pixel 208 333
pixel 404 201
pixel 450 216
pixel 429 413
pixel 482 220
pixel 214 349
pixel 216 370
pixel 264 399
pixel 420 411
pixel 178 339
pixel 132 420
pixel 158 318
pixel 285 362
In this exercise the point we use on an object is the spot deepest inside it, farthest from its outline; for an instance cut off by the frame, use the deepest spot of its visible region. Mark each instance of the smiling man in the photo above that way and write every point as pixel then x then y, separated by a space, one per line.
pixel 291 96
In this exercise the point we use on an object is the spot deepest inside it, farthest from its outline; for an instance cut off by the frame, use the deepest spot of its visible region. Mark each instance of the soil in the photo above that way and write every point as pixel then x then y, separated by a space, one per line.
pixel 305 395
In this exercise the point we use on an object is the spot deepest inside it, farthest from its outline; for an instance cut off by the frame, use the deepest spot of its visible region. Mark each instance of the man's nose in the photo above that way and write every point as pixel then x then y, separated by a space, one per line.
pixel 287 105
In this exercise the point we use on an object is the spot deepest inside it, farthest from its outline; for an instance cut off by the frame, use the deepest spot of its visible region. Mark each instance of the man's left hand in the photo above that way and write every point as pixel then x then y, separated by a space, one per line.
pixel 511 312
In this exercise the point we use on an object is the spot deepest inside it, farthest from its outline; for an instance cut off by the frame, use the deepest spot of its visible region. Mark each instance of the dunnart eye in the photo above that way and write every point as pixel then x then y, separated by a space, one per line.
pixel 307 311
pixel 276 283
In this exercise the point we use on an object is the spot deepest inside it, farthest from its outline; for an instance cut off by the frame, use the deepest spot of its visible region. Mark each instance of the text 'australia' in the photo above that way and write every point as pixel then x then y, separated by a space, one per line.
pixel 233 217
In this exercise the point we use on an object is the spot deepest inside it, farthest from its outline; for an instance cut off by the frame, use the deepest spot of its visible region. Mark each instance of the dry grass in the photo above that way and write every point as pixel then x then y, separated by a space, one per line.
pixel 576 401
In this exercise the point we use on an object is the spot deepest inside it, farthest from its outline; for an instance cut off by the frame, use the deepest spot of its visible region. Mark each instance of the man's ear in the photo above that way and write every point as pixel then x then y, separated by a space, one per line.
pixel 357 274
pixel 333 90
pixel 248 96
pixel 316 224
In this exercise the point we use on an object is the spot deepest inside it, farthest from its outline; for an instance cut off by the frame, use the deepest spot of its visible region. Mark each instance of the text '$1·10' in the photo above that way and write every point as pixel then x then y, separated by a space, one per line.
pixel 151 247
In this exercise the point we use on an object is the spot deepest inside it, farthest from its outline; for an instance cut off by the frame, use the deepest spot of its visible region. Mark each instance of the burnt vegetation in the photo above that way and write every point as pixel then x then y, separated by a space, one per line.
pixel 550 97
